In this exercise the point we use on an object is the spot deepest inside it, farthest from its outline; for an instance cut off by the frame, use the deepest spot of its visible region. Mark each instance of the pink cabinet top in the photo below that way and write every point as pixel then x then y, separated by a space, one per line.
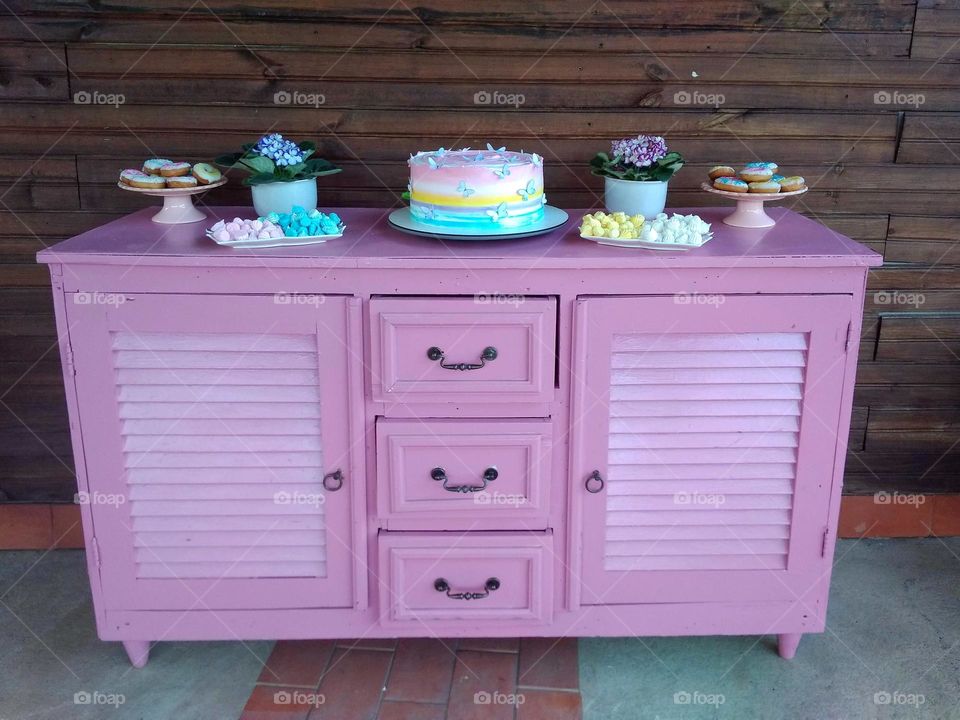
pixel 370 242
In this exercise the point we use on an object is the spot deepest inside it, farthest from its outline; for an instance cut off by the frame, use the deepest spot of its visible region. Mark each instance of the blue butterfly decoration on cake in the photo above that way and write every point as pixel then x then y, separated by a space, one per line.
pixel 529 190
pixel 464 190
pixel 502 172
pixel 499 213
pixel 491 148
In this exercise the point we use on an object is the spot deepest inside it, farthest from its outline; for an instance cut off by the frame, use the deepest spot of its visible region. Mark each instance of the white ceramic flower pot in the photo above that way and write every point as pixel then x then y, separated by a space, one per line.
pixel 280 197
pixel 635 197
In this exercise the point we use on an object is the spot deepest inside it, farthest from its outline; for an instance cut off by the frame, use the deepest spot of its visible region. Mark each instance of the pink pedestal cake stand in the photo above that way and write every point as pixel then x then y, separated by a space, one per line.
pixel 749 212
pixel 178 207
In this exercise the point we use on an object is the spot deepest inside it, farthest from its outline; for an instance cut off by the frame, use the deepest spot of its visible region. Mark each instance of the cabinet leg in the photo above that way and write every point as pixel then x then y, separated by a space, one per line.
pixel 138 651
pixel 787 644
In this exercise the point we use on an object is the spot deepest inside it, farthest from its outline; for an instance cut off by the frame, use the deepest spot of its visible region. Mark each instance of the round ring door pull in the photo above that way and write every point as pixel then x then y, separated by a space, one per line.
pixel 489 475
pixel 333 481
pixel 436 354
pixel 594 483
pixel 491 585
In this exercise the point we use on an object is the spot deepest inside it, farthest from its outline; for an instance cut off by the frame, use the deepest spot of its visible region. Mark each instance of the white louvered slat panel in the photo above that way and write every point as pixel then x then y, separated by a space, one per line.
pixel 222 453
pixel 701 464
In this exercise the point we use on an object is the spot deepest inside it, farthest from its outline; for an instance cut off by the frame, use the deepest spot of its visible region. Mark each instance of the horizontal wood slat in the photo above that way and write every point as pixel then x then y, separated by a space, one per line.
pixel 859 98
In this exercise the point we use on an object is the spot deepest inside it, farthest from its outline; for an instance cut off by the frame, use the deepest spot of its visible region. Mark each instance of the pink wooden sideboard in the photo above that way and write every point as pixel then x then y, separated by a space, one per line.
pixel 389 435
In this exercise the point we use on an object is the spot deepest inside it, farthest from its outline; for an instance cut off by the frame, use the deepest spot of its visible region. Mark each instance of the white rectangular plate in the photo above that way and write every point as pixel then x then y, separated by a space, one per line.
pixel 279 242
pixel 615 242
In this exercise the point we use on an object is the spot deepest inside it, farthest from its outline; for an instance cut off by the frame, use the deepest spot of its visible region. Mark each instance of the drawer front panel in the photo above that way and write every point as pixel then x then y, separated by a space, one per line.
pixel 428 576
pixel 430 473
pixel 462 350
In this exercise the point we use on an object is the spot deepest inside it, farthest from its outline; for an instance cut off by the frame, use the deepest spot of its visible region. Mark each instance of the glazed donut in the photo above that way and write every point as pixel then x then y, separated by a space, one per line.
pixel 175 169
pixel 144 181
pixel 183 181
pixel 777 178
pixel 756 174
pixel 767 186
pixel 153 165
pixel 730 184
pixel 721 171
pixel 205 173
pixel 793 183
pixel 771 166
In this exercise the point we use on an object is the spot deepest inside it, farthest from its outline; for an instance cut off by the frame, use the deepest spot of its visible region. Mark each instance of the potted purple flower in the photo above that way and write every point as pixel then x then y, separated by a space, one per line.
pixel 282 173
pixel 636 173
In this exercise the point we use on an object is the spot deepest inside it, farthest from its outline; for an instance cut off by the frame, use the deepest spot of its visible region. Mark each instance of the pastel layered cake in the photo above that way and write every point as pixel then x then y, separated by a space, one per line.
pixel 477 189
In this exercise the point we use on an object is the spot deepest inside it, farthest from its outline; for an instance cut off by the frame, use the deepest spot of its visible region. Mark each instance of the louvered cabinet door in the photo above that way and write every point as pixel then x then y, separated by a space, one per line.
pixel 712 428
pixel 208 424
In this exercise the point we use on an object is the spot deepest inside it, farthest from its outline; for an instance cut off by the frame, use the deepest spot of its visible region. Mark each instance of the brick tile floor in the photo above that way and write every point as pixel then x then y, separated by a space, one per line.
pixel 419 679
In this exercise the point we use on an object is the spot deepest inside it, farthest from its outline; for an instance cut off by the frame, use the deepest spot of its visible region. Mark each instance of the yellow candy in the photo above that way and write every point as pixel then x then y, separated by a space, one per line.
pixel 614 233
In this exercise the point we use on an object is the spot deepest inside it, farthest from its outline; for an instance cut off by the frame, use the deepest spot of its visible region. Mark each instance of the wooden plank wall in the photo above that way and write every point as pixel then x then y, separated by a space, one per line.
pixel 860 97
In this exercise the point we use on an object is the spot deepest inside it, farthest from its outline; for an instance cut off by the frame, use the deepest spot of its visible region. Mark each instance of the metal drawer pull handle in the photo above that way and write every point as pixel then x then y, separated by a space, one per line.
pixel 489 353
pixel 594 482
pixel 441 585
pixel 489 475
pixel 337 477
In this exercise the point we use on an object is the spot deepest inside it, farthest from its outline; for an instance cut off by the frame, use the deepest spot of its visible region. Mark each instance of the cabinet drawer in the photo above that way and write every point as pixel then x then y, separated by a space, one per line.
pixel 463 474
pixel 427 576
pixel 462 350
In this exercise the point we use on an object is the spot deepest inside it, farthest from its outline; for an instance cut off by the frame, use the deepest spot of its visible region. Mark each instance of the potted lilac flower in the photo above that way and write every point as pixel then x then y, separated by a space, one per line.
pixel 282 173
pixel 636 174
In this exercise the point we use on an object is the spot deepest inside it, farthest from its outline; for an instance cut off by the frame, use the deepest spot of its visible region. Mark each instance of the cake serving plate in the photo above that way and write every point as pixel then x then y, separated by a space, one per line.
pixel 177 208
pixel 552 219
pixel 749 212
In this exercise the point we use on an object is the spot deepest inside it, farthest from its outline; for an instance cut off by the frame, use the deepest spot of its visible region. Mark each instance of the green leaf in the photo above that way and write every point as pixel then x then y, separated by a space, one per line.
pixel 228 160
pixel 258 163
pixel 260 179
pixel 307 145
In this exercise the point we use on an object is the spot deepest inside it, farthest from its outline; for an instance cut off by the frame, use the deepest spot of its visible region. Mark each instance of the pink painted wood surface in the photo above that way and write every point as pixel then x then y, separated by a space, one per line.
pixel 404 329
pixel 409 450
pixel 130 258
pixel 710 492
pixel 413 562
pixel 804 615
pixel 227 509
pixel 370 242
